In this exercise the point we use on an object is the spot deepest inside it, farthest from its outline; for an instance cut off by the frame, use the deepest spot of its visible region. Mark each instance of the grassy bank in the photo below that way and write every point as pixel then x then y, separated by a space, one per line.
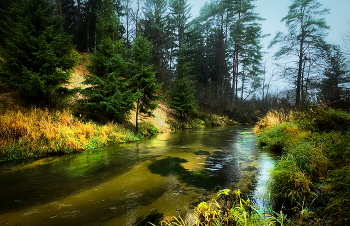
pixel 311 180
pixel 37 133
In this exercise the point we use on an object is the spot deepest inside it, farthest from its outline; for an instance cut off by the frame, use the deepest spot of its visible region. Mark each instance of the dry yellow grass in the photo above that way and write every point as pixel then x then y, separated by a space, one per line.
pixel 38 132
pixel 273 118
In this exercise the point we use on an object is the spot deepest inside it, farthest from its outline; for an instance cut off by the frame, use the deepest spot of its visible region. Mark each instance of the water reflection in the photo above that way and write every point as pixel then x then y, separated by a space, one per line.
pixel 133 183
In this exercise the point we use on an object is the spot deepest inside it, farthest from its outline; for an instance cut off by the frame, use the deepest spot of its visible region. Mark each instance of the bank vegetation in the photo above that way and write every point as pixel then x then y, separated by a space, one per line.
pixel 310 182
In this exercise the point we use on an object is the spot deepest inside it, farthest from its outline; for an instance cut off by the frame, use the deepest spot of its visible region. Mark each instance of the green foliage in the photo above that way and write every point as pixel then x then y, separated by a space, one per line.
pixel 327 120
pixel 335 74
pixel 143 81
pixel 147 129
pixel 108 93
pixel 229 209
pixel 182 95
pixel 311 179
pixel 36 54
pixel 109 90
pixel 282 135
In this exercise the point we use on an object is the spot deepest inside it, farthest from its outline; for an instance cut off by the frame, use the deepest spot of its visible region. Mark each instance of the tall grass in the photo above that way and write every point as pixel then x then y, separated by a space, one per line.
pixel 38 132
pixel 312 178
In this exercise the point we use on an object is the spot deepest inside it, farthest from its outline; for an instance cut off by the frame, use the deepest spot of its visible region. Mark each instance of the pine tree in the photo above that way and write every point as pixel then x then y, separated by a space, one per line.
pixel 143 81
pixel 37 55
pixel 109 92
pixel 245 35
pixel 305 37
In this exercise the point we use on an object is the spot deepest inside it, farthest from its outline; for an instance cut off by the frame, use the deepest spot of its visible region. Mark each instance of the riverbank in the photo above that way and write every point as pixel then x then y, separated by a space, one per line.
pixel 35 132
pixel 32 132
pixel 311 180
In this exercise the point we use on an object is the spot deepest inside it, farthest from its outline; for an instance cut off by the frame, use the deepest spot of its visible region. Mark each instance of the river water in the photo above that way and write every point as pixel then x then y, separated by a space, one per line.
pixel 131 184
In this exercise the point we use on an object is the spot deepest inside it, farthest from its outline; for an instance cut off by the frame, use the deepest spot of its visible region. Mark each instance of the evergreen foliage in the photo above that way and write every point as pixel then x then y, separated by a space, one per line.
pixel 335 75
pixel 143 81
pixel 182 96
pixel 109 92
pixel 37 55
pixel 154 28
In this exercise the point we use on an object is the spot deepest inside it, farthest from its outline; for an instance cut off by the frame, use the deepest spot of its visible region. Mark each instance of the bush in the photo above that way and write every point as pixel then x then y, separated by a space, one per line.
pixel 147 129
pixel 320 120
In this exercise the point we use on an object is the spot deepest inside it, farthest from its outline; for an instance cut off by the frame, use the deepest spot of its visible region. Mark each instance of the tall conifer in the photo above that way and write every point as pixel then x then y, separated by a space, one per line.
pixel 109 92
pixel 36 54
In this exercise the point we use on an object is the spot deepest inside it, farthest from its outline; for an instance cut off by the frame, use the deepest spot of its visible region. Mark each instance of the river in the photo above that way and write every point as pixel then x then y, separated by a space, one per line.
pixel 130 184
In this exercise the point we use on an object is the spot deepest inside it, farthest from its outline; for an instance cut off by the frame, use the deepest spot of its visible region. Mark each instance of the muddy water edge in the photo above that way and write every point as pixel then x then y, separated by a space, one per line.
pixel 132 184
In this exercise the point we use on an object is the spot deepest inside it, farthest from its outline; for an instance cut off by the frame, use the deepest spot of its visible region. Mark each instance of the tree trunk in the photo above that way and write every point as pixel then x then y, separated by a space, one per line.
pixel 59 7
pixel 242 87
pixel 137 115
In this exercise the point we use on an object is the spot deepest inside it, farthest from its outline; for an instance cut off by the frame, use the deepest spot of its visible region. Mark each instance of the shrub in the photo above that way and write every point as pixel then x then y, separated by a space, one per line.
pixel 147 129
pixel 320 120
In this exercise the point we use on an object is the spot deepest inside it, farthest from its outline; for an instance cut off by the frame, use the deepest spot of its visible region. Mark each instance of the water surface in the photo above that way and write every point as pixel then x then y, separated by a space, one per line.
pixel 131 184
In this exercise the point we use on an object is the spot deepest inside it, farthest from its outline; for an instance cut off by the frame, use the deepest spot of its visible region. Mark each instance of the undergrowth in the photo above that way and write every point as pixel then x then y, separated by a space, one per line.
pixel 228 208
pixel 311 180
pixel 37 133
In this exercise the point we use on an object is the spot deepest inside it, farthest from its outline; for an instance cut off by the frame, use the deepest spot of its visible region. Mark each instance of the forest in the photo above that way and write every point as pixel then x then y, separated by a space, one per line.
pixel 215 59
pixel 139 52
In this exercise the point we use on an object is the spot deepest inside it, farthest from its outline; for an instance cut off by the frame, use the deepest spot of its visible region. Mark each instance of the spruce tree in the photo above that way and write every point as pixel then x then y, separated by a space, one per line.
pixel 143 81
pixel 109 91
pixel 335 74
pixel 36 54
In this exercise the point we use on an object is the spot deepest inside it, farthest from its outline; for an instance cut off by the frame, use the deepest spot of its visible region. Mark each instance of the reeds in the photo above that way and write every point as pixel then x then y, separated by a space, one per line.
pixel 39 132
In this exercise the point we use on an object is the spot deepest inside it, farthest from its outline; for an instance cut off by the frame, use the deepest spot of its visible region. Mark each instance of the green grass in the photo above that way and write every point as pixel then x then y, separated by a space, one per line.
pixel 311 180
